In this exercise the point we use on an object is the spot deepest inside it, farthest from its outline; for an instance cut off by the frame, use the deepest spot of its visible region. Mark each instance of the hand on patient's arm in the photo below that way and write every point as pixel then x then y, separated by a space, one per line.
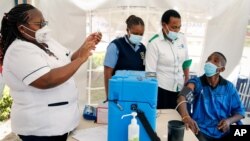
pixel 186 75
pixel 185 66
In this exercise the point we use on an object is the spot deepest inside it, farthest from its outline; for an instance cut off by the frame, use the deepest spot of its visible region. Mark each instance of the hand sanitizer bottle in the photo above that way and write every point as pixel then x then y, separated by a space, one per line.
pixel 133 128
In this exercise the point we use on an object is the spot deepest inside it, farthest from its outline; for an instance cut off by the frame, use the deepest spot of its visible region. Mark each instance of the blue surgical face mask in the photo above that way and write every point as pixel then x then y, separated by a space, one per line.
pixel 210 69
pixel 135 39
pixel 172 35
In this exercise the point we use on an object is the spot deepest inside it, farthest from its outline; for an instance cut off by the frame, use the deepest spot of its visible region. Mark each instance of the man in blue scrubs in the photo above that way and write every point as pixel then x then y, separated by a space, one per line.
pixel 216 102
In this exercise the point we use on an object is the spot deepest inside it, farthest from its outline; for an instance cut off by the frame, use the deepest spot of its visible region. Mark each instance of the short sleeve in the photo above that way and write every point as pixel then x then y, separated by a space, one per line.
pixel 186 64
pixel 111 56
pixel 27 62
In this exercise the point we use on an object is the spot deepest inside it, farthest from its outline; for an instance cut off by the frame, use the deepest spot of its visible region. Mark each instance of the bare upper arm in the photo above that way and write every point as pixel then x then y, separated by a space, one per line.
pixel 42 82
pixel 191 86
pixel 108 70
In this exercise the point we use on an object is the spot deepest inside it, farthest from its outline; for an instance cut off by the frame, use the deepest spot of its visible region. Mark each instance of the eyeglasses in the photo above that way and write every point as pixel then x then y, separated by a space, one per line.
pixel 42 24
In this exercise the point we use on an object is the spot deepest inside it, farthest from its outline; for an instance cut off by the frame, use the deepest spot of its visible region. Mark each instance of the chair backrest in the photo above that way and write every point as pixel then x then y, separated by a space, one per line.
pixel 244 91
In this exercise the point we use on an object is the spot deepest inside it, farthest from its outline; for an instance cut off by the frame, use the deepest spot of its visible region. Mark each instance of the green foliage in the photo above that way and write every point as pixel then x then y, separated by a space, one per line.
pixel 5 105
pixel 97 59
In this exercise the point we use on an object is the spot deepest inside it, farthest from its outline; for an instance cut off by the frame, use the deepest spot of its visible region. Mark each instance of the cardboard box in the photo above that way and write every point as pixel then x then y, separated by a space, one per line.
pixel 102 114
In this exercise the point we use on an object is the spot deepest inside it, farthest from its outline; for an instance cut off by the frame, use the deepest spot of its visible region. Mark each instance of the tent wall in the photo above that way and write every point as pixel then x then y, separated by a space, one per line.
pixel 226 25
pixel 5 6
pixel 226 33
pixel 68 24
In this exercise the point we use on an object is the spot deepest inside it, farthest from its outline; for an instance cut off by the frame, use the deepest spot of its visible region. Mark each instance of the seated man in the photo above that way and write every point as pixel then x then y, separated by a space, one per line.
pixel 216 102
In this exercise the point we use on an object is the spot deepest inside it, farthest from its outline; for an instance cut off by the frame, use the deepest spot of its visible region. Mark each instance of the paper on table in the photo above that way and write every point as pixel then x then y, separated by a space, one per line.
pixel 92 134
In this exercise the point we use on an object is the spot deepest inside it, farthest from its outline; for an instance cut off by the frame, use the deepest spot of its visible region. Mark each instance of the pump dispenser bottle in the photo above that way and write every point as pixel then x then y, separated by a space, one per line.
pixel 133 128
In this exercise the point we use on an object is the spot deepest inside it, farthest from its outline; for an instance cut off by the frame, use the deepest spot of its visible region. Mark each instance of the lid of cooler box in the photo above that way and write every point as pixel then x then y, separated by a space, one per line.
pixel 134 74
pixel 133 86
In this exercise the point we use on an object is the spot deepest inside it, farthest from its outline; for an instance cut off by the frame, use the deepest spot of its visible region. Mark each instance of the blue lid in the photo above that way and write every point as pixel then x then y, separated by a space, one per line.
pixel 137 86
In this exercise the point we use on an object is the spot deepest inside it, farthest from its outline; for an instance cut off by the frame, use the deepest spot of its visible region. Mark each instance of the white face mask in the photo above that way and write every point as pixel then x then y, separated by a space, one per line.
pixel 41 35
pixel 172 35
pixel 135 39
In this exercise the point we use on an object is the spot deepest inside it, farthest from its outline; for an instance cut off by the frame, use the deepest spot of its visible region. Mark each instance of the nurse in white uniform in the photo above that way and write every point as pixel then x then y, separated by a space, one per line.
pixel 39 72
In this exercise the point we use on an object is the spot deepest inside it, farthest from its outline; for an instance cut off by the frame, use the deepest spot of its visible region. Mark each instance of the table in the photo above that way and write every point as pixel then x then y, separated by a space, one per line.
pixel 161 126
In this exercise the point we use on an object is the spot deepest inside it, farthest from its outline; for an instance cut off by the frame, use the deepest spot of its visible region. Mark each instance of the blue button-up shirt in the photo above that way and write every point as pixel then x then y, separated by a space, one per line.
pixel 211 105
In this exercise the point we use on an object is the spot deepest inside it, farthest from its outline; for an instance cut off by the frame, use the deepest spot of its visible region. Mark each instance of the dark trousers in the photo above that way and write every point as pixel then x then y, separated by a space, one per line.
pixel 204 137
pixel 166 99
pixel 44 138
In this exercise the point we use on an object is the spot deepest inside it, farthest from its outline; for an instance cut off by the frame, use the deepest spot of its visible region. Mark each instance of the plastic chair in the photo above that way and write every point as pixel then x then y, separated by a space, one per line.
pixel 245 95
pixel 245 98
pixel 242 83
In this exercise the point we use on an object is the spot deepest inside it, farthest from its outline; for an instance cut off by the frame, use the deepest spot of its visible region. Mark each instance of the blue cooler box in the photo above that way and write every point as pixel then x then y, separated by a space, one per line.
pixel 127 90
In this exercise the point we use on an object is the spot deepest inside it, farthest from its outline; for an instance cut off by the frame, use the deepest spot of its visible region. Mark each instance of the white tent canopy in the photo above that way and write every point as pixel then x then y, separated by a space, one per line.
pixel 224 23
pixel 224 17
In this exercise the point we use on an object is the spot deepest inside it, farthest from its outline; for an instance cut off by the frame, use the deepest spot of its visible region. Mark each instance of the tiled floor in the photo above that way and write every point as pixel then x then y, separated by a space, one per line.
pixel 5 132
pixel 11 137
